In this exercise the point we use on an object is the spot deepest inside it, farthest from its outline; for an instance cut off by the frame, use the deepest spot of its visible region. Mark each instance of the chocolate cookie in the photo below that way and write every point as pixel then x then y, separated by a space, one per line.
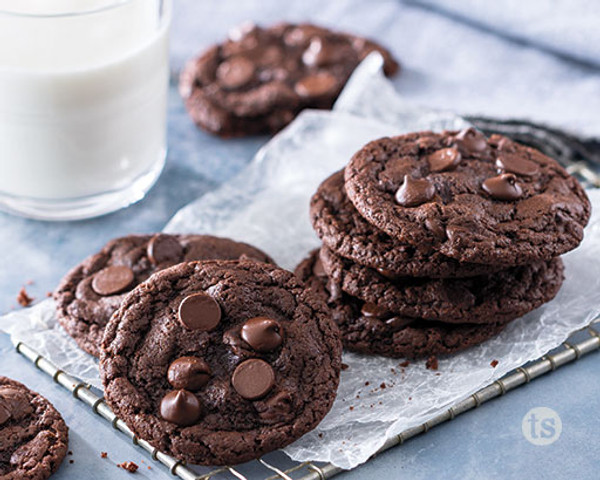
pixel 367 329
pixel 476 200
pixel 92 291
pixel 497 297
pixel 259 79
pixel 33 435
pixel 220 362
pixel 349 235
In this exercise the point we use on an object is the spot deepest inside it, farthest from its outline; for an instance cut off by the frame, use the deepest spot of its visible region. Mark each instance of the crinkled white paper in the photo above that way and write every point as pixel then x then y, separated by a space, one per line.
pixel 268 206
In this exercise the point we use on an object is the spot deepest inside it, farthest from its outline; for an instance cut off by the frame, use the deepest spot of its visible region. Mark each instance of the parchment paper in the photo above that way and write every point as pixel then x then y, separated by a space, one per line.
pixel 267 205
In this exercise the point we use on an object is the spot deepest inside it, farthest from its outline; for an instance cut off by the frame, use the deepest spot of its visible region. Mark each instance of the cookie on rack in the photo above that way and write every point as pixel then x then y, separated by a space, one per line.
pixel 474 199
pixel 258 80
pixel 33 436
pixel 93 290
pixel 220 362
pixel 496 297
pixel 365 328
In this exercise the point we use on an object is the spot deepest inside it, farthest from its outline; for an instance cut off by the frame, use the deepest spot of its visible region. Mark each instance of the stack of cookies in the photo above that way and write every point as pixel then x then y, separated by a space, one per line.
pixel 434 242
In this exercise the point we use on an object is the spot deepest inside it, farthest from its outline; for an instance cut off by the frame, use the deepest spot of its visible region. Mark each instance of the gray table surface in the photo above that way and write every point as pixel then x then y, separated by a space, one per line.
pixel 485 443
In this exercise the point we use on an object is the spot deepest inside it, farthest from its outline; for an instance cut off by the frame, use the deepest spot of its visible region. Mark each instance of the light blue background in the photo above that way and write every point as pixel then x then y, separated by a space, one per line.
pixel 485 443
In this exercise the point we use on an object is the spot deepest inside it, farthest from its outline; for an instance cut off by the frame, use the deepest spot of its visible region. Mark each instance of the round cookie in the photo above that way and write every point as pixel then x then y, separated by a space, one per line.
pixel 92 291
pixel 476 200
pixel 33 436
pixel 349 235
pixel 259 79
pixel 498 297
pixel 220 362
pixel 365 329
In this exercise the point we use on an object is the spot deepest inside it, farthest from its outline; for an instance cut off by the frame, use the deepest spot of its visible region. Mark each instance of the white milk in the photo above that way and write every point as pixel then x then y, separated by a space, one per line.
pixel 82 98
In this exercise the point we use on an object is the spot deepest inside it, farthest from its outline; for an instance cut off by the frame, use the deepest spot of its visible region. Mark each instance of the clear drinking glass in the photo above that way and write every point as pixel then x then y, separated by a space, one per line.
pixel 83 102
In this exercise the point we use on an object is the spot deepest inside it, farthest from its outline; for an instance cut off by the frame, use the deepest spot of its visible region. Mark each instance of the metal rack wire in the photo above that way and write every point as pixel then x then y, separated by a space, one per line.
pixel 581 159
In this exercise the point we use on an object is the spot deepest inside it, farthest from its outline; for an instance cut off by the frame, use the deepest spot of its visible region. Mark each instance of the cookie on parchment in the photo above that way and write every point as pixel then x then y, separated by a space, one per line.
pixel 471 198
pixel 496 297
pixel 220 362
pixel 93 290
pixel 258 80
pixel 33 436
pixel 365 328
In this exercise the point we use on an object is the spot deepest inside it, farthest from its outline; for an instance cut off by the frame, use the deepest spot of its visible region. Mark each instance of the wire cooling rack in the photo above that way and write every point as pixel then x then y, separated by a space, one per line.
pixel 580 157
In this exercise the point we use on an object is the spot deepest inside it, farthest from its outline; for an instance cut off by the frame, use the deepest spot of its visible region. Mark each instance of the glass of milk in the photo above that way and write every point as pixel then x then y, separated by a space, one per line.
pixel 83 102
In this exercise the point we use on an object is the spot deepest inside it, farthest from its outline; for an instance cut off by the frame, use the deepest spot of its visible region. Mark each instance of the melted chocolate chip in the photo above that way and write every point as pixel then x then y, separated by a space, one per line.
pixel 277 408
pixel 4 414
pixel 13 404
pixel 503 187
pixel 253 379
pixel 371 310
pixel 190 373
pixel 236 72
pixel 262 334
pixel 316 85
pixel 180 407
pixel 414 192
pixel 398 323
pixel 319 53
pixel 113 279
pixel 164 248
pixel 318 269
pixel 516 164
pixel 388 274
pixel 444 159
pixel 199 312
pixel 471 141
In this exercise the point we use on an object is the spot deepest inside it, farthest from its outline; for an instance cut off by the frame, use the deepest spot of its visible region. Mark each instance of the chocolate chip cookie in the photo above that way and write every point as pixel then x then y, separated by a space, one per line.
pixel 258 80
pixel 33 435
pixel 365 328
pixel 220 362
pixel 349 235
pixel 91 292
pixel 497 297
pixel 474 199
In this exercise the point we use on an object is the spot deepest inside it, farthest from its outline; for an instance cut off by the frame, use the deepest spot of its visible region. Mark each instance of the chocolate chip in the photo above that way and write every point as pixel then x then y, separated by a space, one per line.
pixel 4 414
pixel 13 404
pixel 235 72
pixel 371 310
pixel 316 85
pixel 471 141
pixel 164 248
pixel 516 164
pixel 444 159
pixel 113 279
pixel 180 407
pixel 414 192
pixel 262 334
pixel 503 187
pixel 190 373
pixel 388 274
pixel 199 312
pixel 318 53
pixel 318 269
pixel 398 323
pixel 253 379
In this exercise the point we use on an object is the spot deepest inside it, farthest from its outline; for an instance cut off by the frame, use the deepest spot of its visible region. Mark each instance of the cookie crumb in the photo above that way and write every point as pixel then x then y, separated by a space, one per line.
pixel 367 384
pixel 404 364
pixel 345 366
pixel 320 435
pixel 494 363
pixel 29 282
pixel 49 294
pixel 351 408
pixel 24 299
pixel 383 385
pixel 71 461
pixel 129 466
pixel 103 454
pixel 149 467
pixel 432 363
pixel 70 452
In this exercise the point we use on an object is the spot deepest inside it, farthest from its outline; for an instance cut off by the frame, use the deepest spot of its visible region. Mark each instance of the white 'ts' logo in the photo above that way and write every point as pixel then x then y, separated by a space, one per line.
pixel 541 426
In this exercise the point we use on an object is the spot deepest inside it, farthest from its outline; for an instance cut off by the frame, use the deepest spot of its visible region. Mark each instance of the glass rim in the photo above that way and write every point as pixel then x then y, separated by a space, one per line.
pixel 90 11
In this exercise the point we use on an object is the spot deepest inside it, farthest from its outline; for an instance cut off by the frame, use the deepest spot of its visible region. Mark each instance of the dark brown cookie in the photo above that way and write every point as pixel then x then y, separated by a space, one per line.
pixel 366 329
pixel 476 200
pixel 92 291
pixel 349 235
pixel 498 297
pixel 33 436
pixel 258 80
pixel 220 362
